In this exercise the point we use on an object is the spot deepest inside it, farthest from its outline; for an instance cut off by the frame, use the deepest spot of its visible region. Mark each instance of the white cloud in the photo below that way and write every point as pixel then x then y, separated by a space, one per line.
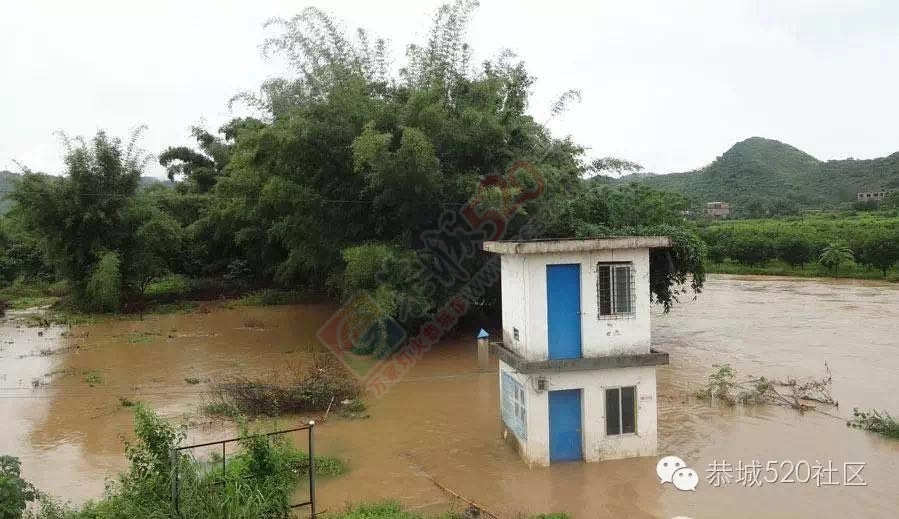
pixel 670 84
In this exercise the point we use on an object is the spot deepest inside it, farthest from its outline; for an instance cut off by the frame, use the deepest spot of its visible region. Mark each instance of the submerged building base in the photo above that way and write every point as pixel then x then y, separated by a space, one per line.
pixel 536 429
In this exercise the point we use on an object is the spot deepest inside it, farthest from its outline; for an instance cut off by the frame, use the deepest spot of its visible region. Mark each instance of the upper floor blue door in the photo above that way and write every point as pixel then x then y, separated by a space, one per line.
pixel 565 437
pixel 563 294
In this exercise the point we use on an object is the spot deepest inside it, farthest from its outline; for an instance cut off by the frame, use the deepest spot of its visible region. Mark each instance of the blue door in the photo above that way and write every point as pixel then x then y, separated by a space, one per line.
pixel 565 441
pixel 563 294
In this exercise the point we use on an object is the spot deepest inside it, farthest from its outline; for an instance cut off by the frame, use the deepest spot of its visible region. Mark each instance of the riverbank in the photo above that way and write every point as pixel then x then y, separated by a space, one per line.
pixel 169 295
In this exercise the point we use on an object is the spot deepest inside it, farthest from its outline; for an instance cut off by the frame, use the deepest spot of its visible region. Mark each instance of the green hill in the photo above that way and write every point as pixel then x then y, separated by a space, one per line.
pixel 764 174
pixel 7 178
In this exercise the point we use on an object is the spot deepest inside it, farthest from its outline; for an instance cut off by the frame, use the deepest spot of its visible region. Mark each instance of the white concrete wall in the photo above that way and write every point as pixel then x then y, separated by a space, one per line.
pixel 514 302
pixel 524 304
pixel 597 445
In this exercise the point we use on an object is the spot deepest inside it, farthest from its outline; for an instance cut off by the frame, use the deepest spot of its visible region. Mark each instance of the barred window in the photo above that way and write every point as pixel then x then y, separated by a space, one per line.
pixel 615 289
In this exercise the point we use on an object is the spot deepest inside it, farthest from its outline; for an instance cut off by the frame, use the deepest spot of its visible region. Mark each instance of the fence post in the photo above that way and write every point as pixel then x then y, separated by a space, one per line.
pixel 176 498
pixel 311 468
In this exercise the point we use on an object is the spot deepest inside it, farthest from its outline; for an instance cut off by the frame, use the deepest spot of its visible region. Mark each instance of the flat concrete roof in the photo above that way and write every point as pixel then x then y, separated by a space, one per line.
pixel 576 245
pixel 653 358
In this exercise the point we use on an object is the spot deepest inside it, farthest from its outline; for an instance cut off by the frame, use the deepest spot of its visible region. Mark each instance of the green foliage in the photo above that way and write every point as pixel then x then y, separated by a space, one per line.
pixel 21 294
pixel 720 384
pixel 104 289
pixel 788 245
pixel 794 249
pixel 198 171
pixel 21 257
pixel 175 285
pixel 890 201
pixel 333 186
pixel 879 248
pixel 257 483
pixel 7 179
pixel 15 492
pixel 879 422
pixel 93 378
pixel 273 296
pixel 835 254
pixel 671 270
pixel 380 271
pixel 104 239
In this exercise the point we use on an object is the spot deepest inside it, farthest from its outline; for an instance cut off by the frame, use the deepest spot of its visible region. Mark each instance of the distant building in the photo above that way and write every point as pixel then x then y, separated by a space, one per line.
pixel 717 209
pixel 872 196
pixel 577 373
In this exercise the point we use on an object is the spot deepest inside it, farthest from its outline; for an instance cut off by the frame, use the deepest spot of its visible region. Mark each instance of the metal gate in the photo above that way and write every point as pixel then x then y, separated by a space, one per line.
pixel 310 428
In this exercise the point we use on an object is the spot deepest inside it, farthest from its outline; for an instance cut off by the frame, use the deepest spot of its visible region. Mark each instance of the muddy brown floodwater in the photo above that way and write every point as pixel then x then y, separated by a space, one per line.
pixel 443 419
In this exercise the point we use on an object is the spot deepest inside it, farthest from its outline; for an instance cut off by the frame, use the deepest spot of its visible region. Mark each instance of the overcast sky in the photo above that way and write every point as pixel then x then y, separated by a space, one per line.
pixel 668 84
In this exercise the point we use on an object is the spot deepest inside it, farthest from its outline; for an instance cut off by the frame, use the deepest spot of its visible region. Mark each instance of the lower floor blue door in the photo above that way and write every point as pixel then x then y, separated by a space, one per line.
pixel 565 438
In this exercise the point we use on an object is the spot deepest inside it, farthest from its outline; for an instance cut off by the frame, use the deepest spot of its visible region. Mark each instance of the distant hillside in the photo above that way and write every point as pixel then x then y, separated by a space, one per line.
pixel 7 178
pixel 766 173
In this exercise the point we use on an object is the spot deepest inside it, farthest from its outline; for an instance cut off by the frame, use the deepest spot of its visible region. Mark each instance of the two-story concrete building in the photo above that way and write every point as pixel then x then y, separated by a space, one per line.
pixel 717 209
pixel 577 372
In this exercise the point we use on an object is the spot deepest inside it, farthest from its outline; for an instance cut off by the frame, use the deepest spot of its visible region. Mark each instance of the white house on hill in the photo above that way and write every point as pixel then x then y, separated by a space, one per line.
pixel 577 371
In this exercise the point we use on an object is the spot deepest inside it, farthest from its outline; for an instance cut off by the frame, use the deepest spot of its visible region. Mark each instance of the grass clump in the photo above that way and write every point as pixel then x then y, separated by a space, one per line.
pixel 92 378
pixel 192 380
pixel 352 409
pixel 879 422
pixel 322 383
pixel 272 296
pixel 143 337
pixel 221 408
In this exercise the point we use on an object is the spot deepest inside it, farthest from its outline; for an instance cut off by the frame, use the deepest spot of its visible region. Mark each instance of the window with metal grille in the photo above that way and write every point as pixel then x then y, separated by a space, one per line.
pixel 615 290
pixel 621 410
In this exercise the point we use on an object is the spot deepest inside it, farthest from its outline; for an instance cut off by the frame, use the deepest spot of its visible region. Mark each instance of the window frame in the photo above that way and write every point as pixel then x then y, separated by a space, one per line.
pixel 620 416
pixel 612 266
pixel 514 406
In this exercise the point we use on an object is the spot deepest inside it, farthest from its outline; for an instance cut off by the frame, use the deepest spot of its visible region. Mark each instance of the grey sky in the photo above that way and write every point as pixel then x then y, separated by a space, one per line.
pixel 669 84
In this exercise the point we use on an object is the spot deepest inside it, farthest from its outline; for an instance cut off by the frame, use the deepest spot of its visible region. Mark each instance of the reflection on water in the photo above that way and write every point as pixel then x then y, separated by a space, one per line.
pixel 444 420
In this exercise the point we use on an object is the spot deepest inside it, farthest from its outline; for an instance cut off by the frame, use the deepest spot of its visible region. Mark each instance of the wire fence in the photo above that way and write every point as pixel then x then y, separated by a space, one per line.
pixel 222 444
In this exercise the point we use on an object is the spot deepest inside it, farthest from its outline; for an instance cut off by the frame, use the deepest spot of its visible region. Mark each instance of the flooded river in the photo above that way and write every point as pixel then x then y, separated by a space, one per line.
pixel 443 419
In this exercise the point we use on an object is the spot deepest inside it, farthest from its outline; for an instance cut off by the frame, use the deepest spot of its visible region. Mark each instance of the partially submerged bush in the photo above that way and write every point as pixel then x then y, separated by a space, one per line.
pixel 722 386
pixel 324 382
pixel 876 421
pixel 257 482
